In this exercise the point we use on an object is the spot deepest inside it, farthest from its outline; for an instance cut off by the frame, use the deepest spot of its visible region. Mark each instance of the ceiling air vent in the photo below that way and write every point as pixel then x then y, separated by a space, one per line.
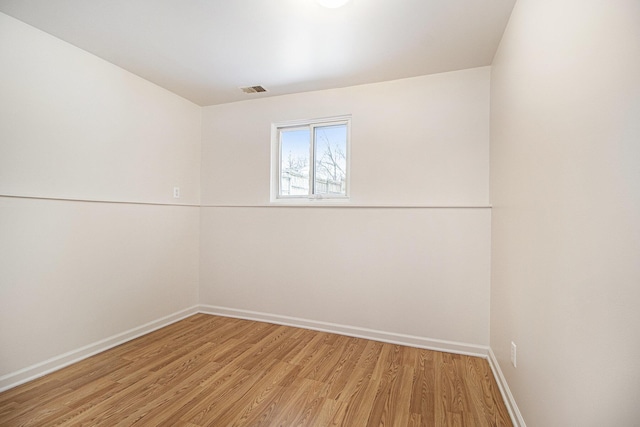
pixel 253 89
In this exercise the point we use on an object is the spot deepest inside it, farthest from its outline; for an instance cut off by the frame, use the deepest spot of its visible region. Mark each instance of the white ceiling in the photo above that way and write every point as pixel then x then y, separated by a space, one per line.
pixel 204 50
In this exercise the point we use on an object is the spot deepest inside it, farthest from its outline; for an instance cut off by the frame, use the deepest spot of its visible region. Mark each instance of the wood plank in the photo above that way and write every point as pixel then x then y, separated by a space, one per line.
pixel 210 370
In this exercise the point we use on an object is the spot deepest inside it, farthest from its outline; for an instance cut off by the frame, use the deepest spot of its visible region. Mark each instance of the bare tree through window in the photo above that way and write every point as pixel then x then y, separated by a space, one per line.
pixel 313 160
pixel 331 159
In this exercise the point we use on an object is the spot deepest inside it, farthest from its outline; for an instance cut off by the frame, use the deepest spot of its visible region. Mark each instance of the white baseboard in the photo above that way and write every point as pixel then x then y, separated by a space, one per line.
pixel 352 331
pixel 32 372
pixel 510 402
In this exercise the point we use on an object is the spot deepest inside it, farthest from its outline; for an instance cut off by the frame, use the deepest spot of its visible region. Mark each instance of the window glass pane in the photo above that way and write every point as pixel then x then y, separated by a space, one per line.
pixel 331 160
pixel 294 162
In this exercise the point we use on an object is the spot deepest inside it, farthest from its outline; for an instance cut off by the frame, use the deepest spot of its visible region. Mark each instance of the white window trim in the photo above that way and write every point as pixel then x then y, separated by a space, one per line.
pixel 276 164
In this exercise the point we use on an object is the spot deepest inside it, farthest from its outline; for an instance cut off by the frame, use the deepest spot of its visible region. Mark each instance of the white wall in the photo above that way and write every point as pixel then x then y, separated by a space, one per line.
pixel 418 141
pixel 404 270
pixel 75 126
pixel 565 183
pixel 74 273
pixel 77 272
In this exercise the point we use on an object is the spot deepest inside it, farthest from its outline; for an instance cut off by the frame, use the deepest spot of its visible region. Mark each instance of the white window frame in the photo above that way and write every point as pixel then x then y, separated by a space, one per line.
pixel 276 162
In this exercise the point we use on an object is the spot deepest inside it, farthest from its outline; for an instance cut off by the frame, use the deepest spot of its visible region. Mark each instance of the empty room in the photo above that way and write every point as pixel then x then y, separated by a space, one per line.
pixel 320 213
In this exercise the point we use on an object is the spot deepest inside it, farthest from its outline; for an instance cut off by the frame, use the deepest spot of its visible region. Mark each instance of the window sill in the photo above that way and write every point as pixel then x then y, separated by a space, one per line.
pixel 312 201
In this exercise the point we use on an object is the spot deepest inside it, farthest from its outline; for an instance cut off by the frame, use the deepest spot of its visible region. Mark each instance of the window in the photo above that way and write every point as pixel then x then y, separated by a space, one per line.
pixel 311 159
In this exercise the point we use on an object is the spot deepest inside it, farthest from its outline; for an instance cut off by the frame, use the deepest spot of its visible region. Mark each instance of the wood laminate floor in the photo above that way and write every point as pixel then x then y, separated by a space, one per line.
pixel 216 371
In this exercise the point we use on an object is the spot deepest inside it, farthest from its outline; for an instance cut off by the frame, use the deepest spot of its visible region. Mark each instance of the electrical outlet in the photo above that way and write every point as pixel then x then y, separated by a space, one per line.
pixel 176 192
pixel 513 354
